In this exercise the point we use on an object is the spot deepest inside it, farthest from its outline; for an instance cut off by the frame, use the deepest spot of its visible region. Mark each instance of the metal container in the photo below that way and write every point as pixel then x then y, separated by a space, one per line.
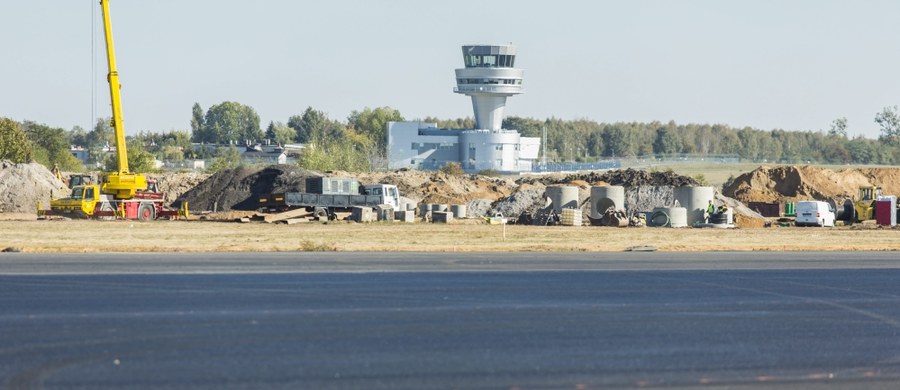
pixel 604 197
pixel 332 185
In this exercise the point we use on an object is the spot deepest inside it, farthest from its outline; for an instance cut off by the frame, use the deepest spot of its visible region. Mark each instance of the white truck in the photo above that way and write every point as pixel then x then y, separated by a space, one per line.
pixel 326 196
pixel 814 213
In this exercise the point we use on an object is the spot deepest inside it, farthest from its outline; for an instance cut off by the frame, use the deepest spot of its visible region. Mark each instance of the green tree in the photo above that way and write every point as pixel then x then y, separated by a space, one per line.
pixel 226 158
pixel 314 126
pixel 139 159
pixel 889 120
pixel 98 140
pixel 51 146
pixel 197 121
pixel 373 123
pixel 615 140
pixel 280 134
pixel 77 136
pixel 231 122
pixel 14 144
pixel 860 150
pixel 839 127
pixel 528 127
pixel 666 142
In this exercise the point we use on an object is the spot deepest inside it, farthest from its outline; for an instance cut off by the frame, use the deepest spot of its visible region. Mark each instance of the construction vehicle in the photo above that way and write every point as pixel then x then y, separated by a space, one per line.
pixel 863 207
pixel 120 194
pixel 327 196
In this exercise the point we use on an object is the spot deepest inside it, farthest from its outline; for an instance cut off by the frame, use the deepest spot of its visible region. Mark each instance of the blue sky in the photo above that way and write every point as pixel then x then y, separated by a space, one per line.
pixel 795 65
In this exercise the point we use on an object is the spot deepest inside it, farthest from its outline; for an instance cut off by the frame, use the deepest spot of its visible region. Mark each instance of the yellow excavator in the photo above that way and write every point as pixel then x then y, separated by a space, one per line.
pixel 863 207
pixel 122 194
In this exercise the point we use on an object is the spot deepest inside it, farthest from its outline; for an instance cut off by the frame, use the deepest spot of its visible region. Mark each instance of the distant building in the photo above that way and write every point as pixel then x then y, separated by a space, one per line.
pixel 489 77
pixel 259 155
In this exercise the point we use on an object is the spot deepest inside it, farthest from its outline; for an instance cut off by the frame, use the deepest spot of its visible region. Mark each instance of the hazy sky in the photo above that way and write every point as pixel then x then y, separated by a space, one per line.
pixel 795 65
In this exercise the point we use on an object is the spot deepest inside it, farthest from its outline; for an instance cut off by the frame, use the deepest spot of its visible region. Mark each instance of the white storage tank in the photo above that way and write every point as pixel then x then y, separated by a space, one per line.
pixel 604 197
pixel 695 200
pixel 563 197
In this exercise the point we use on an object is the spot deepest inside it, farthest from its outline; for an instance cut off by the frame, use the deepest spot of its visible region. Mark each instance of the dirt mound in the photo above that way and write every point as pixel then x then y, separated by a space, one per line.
pixel 622 177
pixel 240 188
pixel 23 186
pixel 174 185
pixel 439 187
pixel 775 184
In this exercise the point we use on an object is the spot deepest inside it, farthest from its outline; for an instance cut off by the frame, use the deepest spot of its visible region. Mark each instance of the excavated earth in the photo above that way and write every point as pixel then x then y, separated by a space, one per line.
pixel 793 183
pixel 24 186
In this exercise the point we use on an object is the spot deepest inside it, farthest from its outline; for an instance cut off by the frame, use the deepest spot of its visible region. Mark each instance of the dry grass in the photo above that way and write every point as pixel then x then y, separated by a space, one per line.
pixel 197 236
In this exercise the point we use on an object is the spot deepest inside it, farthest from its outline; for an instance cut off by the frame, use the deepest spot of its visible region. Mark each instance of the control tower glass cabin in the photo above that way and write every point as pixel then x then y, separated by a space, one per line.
pixel 489 78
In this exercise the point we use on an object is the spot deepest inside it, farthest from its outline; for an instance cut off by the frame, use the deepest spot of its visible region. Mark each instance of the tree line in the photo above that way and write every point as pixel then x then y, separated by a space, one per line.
pixel 585 140
pixel 358 143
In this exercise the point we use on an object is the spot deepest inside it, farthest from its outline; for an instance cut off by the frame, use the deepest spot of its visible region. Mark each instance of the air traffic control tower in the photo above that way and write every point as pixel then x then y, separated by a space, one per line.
pixel 489 78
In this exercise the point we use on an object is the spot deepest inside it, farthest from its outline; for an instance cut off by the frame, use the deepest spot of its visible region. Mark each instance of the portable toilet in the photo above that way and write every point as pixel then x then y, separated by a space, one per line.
pixel 885 210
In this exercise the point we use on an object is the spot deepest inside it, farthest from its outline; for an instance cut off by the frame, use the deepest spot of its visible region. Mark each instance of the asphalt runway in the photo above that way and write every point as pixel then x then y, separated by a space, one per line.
pixel 448 321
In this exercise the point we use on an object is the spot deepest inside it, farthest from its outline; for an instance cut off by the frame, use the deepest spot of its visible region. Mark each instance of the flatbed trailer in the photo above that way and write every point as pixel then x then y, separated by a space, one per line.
pixel 324 206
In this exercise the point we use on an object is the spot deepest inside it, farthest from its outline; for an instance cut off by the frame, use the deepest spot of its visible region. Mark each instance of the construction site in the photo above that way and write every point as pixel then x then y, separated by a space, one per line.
pixel 774 197
pixel 444 212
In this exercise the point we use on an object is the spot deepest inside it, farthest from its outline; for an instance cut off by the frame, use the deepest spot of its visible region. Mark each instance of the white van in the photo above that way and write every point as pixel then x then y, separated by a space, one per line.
pixel 814 213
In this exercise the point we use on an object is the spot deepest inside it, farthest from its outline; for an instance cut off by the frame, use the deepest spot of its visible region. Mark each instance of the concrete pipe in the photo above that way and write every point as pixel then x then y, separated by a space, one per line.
pixel 694 200
pixel 675 217
pixel 604 197
pixel 563 197
pixel 458 211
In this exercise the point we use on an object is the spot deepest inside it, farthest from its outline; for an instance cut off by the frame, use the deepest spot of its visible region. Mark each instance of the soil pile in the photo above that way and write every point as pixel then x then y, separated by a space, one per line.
pixel 792 183
pixel 23 186
pixel 240 188
pixel 623 177
pixel 174 185
pixel 439 187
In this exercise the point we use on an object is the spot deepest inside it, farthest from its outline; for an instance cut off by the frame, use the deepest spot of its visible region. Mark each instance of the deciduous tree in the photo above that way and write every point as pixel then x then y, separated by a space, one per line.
pixel 14 144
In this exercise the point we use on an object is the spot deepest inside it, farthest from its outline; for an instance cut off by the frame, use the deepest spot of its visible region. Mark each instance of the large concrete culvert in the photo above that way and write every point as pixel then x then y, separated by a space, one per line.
pixel 563 197
pixel 604 197
pixel 695 200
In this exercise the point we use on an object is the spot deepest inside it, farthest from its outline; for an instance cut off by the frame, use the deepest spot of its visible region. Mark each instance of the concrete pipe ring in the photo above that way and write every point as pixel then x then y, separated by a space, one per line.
pixel 659 218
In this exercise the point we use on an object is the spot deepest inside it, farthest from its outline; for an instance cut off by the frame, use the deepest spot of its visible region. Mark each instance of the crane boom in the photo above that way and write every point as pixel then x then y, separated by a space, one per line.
pixel 122 183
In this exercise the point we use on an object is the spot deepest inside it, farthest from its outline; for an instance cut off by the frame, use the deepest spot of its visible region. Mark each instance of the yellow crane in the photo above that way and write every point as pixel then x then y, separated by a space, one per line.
pixel 120 194
pixel 123 183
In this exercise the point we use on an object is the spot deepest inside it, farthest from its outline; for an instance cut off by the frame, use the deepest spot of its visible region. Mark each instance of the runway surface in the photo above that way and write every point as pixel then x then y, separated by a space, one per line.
pixel 446 321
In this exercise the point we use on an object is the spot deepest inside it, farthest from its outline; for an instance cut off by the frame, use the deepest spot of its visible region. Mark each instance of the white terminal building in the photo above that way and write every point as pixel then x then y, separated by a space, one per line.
pixel 489 77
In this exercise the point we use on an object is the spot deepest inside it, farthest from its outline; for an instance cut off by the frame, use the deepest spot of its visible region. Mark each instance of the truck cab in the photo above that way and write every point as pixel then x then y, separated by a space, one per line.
pixel 389 193
pixel 81 202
